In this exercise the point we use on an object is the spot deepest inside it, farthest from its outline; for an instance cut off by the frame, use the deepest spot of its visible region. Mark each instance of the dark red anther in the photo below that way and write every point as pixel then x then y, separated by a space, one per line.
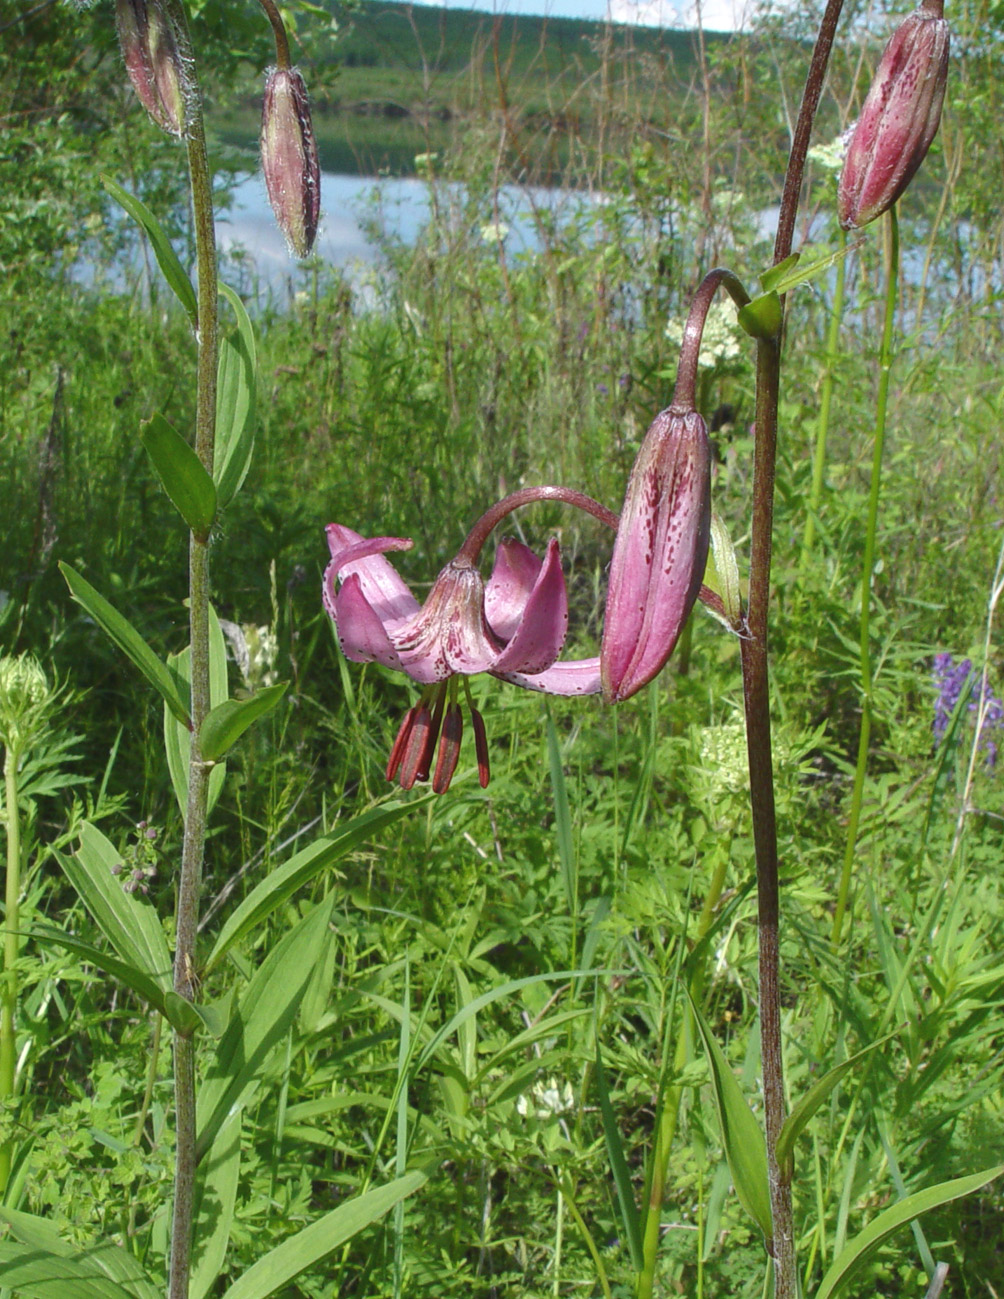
pixel 481 747
pixel 419 742
pixel 425 761
pixel 449 749
pixel 400 744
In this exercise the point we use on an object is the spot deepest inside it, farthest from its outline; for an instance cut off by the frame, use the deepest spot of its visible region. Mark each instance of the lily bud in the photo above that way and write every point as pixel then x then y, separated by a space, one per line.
pixel 155 69
pixel 660 552
pixel 289 158
pixel 900 117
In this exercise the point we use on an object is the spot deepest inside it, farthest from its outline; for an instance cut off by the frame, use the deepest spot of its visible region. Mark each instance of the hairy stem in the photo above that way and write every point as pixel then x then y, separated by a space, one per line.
pixel 193 845
pixel 8 1005
pixel 867 564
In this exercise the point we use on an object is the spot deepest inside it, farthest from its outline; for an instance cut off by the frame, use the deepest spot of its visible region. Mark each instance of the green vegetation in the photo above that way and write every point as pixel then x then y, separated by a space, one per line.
pixel 487 990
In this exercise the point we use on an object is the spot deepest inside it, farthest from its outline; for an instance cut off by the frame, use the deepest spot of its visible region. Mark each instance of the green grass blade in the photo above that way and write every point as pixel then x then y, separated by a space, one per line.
pixel 129 641
pixel 741 1136
pixel 630 1217
pixel 857 1251
pixel 307 1247
pixel 562 816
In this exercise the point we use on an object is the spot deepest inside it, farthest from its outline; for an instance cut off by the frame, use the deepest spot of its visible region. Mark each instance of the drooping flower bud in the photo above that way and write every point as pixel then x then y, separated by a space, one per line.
pixel 155 68
pixel 660 552
pixel 289 158
pixel 900 117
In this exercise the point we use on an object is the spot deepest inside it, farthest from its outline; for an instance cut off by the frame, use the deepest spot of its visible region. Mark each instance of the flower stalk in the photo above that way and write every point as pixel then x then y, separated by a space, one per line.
pixel 193 844
pixel 756 695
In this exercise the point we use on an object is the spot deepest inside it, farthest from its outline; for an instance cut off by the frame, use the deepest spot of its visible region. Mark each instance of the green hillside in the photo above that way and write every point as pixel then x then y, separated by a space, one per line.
pixel 406 77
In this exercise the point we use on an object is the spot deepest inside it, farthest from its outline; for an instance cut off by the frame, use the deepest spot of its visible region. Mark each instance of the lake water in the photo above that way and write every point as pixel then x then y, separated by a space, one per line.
pixel 247 233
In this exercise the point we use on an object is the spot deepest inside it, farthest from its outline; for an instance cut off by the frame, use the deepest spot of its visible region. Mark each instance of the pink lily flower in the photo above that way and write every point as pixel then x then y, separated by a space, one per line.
pixel 513 628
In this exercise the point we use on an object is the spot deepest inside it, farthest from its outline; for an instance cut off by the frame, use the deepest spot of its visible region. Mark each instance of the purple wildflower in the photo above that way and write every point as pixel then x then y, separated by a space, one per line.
pixel 951 679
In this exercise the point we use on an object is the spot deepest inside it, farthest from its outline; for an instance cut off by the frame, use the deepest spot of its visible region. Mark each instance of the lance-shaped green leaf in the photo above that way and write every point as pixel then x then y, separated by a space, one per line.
pixel 167 258
pixel 182 473
pixel 129 923
pixel 773 275
pixel 236 384
pixel 856 1253
pixel 180 1013
pixel 227 722
pixel 177 738
pixel 786 275
pixel 295 874
pixel 315 1242
pixel 741 1136
pixel 41 1265
pixel 215 1198
pixel 131 643
pixel 800 1115
pixel 260 1023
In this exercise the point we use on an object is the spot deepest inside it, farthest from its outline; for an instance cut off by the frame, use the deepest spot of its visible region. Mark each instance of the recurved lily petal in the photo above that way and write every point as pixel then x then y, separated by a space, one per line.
pixel 540 631
pixel 362 634
pixel 660 552
pixel 569 677
pixel 514 575
pixel 378 579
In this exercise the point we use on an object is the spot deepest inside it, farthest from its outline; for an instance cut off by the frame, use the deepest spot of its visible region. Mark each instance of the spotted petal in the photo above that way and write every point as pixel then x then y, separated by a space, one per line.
pixel 449 633
pixel 540 632
pixel 570 677
pixel 514 575
pixel 660 552
pixel 379 582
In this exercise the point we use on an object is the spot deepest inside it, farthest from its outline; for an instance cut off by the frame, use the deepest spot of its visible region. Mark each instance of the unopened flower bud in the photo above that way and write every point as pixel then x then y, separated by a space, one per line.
pixel 660 552
pixel 289 158
pixel 899 119
pixel 155 68
pixel 25 698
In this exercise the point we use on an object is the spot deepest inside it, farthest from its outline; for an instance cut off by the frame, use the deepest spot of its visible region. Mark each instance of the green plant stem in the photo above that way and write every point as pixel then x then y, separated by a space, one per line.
pixel 825 401
pixel 193 845
pixel 867 564
pixel 8 1039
